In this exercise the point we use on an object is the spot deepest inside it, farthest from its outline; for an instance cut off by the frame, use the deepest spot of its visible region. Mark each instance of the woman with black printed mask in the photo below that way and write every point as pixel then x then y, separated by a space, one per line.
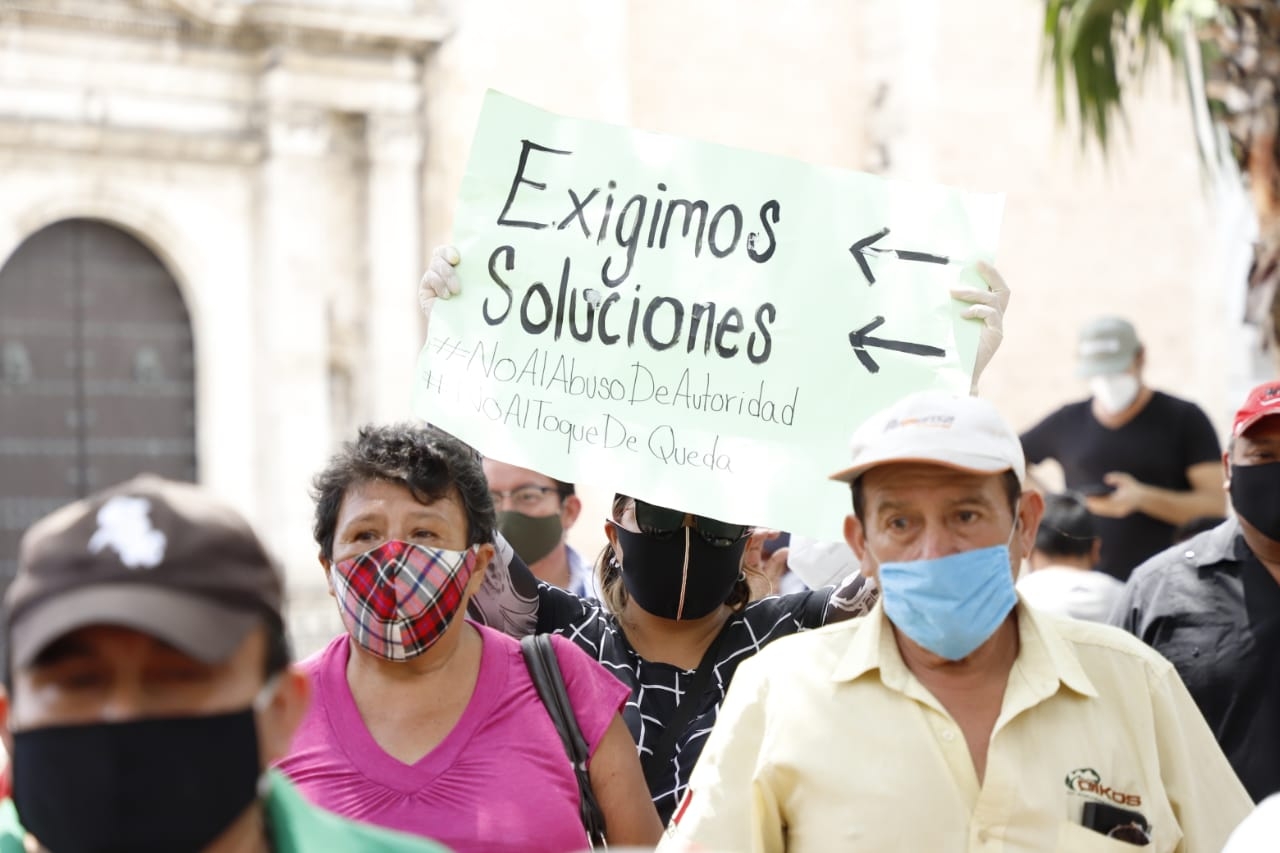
pixel 674 621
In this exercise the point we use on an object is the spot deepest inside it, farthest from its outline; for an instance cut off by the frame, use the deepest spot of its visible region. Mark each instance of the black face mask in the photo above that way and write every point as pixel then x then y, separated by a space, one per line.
pixel 1255 495
pixel 678 575
pixel 168 785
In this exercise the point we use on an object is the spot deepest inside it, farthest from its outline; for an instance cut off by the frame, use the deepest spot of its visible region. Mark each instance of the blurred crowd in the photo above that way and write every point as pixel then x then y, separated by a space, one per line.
pixel 997 664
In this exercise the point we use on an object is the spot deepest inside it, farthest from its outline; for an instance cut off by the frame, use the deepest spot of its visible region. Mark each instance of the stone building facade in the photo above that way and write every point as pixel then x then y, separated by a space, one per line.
pixel 276 171
pixel 268 155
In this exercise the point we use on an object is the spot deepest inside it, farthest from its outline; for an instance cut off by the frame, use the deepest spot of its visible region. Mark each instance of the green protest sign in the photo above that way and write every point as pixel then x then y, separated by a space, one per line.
pixel 688 323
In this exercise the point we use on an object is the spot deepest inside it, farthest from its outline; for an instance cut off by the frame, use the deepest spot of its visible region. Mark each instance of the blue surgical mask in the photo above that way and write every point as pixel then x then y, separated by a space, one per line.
pixel 953 604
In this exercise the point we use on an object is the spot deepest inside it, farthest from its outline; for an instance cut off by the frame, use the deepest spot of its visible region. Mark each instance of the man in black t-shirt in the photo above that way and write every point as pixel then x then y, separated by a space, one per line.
pixel 1145 460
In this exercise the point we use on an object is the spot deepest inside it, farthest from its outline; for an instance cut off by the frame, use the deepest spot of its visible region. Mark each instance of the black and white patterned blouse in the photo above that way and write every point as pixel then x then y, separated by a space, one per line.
pixel 657 688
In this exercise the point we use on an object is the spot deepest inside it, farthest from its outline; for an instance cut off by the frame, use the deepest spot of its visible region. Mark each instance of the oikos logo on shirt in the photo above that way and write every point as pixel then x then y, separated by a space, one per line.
pixel 1086 780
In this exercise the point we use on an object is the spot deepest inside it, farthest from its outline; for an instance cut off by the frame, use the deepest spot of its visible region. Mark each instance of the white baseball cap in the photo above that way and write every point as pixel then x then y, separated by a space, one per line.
pixel 966 433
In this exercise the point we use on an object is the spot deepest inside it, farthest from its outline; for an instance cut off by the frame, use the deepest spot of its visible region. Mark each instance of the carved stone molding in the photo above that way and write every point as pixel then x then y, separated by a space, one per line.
pixel 154 20
pixel 111 141
pixel 296 130
pixel 355 23
pixel 395 138
pixel 243 25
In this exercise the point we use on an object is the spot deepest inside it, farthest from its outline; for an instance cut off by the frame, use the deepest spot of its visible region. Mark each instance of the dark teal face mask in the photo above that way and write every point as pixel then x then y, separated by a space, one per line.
pixel 532 537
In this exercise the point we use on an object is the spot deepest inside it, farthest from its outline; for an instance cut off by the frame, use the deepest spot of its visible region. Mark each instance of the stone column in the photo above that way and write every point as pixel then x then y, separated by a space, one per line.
pixel 394 256
pixel 299 262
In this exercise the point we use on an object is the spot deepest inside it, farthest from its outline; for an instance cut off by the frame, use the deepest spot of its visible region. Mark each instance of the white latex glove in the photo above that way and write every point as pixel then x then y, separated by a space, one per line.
pixel 440 281
pixel 987 306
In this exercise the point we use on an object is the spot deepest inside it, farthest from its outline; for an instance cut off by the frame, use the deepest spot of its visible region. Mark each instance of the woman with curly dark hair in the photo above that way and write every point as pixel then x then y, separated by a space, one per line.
pixel 423 721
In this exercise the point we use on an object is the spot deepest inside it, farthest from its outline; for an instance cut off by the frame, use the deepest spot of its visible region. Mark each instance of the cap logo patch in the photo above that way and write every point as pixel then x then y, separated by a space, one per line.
pixel 1099 347
pixel 931 421
pixel 124 524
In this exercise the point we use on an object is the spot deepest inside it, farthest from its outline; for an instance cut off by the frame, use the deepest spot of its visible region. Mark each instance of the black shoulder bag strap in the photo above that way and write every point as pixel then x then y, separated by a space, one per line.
pixel 544 669
pixel 657 760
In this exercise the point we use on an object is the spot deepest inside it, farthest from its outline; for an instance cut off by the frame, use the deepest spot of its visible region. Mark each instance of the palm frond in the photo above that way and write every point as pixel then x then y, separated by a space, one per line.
pixel 1101 46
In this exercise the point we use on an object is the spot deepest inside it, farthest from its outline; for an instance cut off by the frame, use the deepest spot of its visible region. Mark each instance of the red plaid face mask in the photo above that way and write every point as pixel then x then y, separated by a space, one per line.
pixel 398 599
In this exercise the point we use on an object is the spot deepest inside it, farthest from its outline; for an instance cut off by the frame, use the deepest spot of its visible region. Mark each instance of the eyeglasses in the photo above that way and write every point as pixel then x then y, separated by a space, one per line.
pixel 525 497
pixel 662 522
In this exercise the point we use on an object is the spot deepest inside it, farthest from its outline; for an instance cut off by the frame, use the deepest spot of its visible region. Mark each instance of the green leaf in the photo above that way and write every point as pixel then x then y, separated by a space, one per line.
pixel 1102 46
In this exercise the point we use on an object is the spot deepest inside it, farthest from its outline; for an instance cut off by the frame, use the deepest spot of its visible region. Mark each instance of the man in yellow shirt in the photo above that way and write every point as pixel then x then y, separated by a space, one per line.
pixel 953 717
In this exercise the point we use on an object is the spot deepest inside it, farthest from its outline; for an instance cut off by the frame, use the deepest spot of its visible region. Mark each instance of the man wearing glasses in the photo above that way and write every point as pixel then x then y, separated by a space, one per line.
pixel 953 717
pixel 535 513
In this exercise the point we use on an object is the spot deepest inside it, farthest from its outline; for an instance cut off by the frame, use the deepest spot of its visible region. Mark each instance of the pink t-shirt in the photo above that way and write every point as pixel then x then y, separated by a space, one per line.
pixel 500 781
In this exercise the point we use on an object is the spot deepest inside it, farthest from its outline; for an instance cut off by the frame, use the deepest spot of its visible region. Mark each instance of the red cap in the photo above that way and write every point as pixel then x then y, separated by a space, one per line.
pixel 1261 402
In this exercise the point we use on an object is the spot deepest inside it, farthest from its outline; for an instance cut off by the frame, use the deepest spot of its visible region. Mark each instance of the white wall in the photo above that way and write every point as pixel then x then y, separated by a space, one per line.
pixel 950 92
pixel 280 183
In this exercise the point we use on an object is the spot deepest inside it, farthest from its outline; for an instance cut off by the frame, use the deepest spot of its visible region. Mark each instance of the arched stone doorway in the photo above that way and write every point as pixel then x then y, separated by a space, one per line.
pixel 96 372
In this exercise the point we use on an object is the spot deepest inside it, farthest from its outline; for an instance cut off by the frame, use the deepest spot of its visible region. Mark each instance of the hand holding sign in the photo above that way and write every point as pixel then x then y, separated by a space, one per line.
pixel 675 320
pixel 989 307
pixel 440 281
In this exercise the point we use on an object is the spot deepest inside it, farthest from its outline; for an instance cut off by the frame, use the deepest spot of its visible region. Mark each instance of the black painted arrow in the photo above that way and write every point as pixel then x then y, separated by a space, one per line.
pixel 860 249
pixel 860 343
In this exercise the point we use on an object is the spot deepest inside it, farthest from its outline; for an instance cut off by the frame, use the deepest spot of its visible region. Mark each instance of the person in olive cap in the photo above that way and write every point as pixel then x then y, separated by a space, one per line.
pixel 149 684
